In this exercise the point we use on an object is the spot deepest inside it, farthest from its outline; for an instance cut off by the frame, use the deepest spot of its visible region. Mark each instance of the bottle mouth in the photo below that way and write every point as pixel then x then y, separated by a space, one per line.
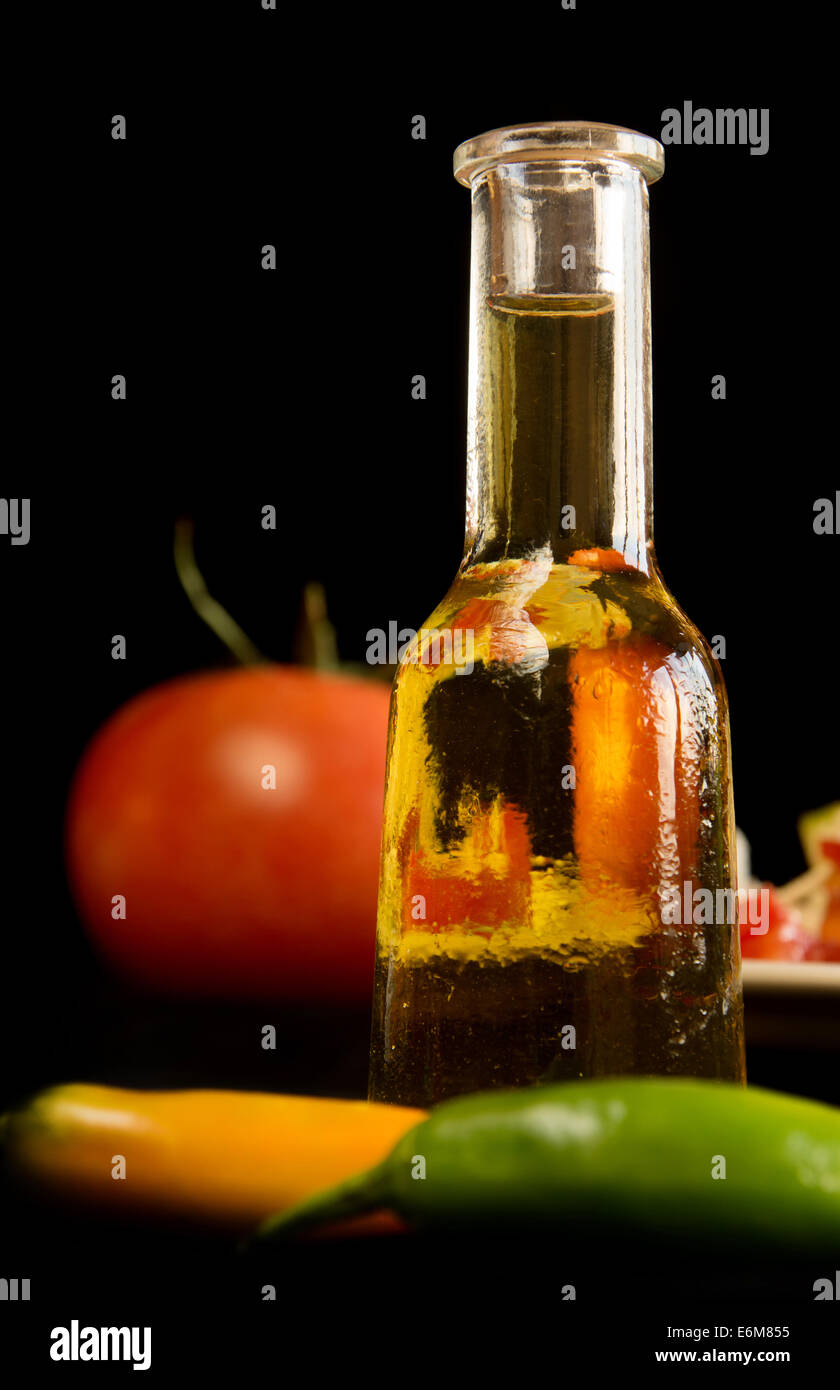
pixel 558 141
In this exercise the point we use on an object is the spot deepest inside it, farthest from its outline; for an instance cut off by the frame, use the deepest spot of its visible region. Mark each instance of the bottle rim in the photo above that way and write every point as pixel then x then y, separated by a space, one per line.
pixel 556 142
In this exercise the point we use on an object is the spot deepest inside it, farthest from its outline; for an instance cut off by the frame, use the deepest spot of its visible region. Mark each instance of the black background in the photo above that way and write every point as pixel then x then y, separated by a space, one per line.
pixel 292 387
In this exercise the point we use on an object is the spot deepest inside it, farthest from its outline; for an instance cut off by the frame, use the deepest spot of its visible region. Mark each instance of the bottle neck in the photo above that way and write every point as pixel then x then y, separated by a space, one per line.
pixel 559 435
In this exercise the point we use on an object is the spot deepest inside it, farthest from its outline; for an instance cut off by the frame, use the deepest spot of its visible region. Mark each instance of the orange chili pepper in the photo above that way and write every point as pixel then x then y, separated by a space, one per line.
pixel 222 1157
pixel 636 816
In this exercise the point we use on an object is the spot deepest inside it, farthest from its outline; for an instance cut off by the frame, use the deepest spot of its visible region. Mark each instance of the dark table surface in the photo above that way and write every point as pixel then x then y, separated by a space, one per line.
pixel 87 1265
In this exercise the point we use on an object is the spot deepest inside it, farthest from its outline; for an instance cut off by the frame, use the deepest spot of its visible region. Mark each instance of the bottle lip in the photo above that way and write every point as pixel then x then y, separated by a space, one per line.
pixel 555 142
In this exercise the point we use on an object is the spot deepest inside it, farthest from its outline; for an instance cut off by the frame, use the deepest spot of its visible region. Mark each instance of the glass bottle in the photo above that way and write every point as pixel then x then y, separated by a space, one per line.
pixel 558 806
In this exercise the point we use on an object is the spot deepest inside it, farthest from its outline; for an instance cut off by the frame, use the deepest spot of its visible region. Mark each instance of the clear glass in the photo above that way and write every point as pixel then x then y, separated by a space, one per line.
pixel 557 892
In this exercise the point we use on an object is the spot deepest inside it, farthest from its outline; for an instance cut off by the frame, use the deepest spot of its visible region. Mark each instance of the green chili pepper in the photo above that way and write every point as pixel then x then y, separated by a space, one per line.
pixel 684 1159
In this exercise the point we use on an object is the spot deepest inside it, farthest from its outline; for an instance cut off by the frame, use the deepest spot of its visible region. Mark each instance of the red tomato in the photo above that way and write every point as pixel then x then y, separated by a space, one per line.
pixel 231 888
pixel 824 951
pixel 785 938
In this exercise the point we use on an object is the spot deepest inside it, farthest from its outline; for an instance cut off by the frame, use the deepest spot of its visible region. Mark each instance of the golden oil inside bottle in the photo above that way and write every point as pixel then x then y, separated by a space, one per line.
pixel 541 807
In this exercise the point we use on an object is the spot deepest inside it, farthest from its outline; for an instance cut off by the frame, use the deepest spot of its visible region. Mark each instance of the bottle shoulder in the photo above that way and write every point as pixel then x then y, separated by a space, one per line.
pixel 521 606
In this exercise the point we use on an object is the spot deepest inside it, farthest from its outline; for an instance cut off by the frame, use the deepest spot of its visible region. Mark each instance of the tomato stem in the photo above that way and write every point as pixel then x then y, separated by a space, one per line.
pixel 315 641
pixel 202 602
